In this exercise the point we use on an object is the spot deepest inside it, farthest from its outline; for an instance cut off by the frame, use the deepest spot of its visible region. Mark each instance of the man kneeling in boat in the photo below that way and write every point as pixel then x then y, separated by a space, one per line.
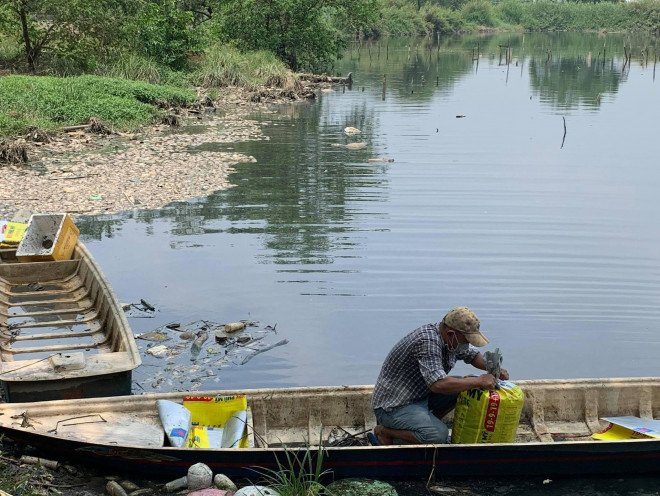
pixel 414 391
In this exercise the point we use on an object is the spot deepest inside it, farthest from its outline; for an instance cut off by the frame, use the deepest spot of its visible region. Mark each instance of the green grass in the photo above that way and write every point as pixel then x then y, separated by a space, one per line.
pixel 138 68
pixel 52 102
pixel 299 476
pixel 123 94
pixel 223 65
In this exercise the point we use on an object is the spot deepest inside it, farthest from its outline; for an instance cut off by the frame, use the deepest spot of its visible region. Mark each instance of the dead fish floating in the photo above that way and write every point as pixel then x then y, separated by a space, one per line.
pixel 351 146
pixel 379 159
pixel 351 130
pixel 153 336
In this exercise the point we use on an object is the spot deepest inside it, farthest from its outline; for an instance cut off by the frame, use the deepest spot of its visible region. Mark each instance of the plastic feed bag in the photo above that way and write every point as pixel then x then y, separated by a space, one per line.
pixel 483 416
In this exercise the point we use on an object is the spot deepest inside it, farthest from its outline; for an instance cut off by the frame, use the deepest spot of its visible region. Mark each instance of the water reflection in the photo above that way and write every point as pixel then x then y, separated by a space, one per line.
pixel 553 246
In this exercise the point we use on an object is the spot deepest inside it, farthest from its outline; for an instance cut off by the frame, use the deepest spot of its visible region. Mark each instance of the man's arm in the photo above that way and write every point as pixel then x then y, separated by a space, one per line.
pixel 480 363
pixel 453 385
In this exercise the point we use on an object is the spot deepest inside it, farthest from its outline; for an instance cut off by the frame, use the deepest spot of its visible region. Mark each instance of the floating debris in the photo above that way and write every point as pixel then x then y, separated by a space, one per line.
pixel 234 326
pixel 139 310
pixel 159 351
pixel 196 347
pixel 153 336
pixel 228 350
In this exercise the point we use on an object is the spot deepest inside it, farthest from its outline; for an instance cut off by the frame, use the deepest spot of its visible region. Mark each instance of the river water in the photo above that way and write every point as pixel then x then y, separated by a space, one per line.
pixel 554 247
pixel 526 190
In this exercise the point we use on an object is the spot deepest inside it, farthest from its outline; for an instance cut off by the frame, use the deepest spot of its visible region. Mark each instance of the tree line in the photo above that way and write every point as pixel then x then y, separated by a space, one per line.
pixel 302 33
pixel 305 34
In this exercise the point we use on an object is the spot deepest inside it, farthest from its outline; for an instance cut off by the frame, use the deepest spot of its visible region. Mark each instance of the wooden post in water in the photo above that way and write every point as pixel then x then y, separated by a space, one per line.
pixel 384 85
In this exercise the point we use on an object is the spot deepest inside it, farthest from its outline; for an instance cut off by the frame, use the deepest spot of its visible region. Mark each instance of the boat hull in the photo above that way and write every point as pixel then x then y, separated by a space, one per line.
pixel 554 436
pixel 623 457
pixel 114 384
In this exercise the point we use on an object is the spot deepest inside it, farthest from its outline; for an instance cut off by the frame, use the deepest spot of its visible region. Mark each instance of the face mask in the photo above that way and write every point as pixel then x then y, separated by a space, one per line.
pixel 462 348
pixel 459 348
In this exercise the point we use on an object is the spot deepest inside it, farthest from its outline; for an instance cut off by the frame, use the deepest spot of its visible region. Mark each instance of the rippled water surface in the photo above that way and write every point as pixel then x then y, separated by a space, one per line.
pixel 527 191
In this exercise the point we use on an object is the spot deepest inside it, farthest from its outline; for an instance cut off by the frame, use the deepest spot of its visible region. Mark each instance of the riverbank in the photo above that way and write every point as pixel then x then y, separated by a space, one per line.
pixel 86 173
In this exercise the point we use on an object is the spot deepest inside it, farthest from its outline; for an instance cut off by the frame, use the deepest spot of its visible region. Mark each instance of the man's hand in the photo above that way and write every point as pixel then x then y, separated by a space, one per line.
pixel 504 374
pixel 486 381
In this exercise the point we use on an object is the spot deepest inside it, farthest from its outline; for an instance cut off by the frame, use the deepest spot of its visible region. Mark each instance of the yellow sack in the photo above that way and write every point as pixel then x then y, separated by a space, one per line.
pixel 488 416
pixel 218 420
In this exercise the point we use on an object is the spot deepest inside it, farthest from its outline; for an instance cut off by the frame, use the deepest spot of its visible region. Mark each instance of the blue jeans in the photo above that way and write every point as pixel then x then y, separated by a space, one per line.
pixel 418 417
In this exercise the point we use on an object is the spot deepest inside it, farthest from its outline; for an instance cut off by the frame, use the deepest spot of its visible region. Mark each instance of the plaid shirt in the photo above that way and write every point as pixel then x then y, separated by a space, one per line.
pixel 413 365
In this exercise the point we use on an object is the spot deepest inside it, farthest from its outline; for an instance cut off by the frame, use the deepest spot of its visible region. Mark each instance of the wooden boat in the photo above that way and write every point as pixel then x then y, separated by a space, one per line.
pixel 62 332
pixel 553 437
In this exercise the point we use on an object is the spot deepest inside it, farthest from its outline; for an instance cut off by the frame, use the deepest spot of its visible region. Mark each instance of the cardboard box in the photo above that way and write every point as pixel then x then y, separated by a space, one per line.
pixel 48 237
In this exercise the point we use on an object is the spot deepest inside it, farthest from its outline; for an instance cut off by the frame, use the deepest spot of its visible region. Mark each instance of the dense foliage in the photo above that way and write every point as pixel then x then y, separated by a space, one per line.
pixel 303 33
pixel 67 37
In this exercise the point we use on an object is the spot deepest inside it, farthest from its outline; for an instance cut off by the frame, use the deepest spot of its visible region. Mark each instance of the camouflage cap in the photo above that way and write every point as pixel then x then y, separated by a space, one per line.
pixel 464 320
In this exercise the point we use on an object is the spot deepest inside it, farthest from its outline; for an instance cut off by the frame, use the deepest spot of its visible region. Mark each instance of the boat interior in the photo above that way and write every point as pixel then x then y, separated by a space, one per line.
pixel 54 316
pixel 554 411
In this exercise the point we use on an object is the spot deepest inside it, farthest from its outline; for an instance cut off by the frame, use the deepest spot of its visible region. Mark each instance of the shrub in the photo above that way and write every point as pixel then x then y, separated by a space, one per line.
pixel 9 51
pixel 224 65
pixel 511 11
pixel 479 12
pixel 646 15
pixel 547 15
pixel 440 19
pixel 164 32
pixel 400 18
